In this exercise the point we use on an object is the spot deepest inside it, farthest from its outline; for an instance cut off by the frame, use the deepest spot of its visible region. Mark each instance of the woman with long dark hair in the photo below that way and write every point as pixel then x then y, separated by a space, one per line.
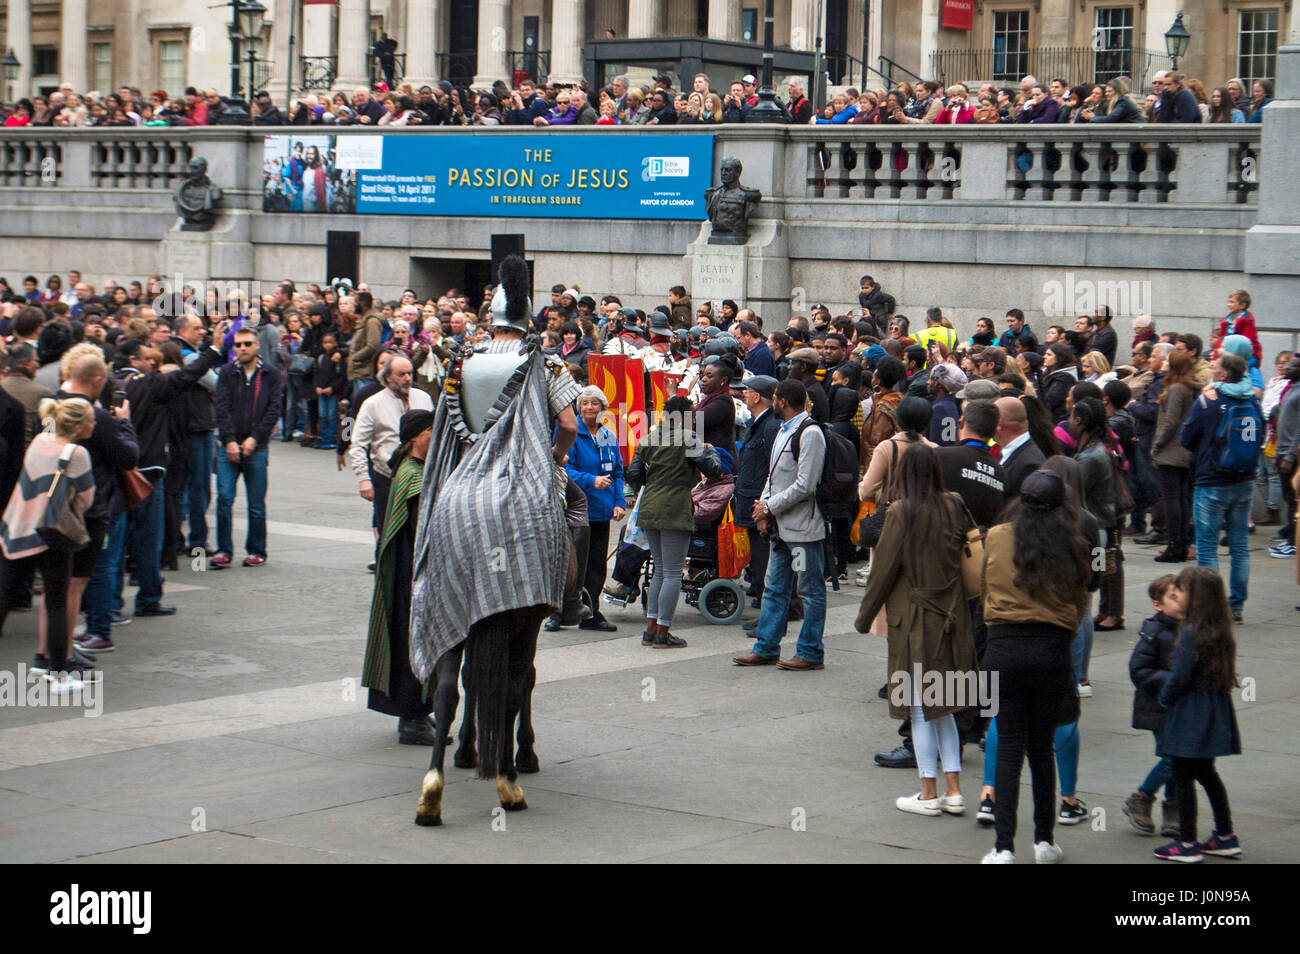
pixel 1089 427
pixel 916 579
pixel 1036 575
pixel 1173 461
pixel 1060 373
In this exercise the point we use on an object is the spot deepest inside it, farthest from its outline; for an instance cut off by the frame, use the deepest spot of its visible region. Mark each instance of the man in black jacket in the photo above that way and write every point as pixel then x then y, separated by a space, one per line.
pixel 249 399
pixel 1020 455
pixel 154 398
pixel 751 473
pixel 804 363
pixel 193 447
pixel 267 114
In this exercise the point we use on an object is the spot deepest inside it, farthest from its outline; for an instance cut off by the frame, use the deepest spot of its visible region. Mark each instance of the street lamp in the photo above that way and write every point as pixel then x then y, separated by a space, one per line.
pixel 1176 38
pixel 11 73
pixel 766 110
pixel 251 15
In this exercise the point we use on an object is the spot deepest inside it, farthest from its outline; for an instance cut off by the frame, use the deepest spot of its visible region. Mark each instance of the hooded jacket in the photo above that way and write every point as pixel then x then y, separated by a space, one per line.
pixel 1149 666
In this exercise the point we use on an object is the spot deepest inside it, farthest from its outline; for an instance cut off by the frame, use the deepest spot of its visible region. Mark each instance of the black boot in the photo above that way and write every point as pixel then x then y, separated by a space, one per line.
pixel 415 732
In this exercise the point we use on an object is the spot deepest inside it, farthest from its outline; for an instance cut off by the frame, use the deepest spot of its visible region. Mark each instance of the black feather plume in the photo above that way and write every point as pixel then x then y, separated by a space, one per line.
pixel 515 281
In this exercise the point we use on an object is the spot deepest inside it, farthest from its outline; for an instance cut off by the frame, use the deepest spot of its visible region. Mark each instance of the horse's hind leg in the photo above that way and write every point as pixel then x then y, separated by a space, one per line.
pixel 466 757
pixel 523 647
pixel 445 698
pixel 526 758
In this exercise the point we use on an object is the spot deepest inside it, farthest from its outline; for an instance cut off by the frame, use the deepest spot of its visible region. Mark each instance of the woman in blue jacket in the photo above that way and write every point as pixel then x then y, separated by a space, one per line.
pixel 596 465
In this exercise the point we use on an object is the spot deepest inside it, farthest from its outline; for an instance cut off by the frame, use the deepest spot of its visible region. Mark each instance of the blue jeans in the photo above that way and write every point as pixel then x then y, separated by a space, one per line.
pixel 253 469
pixel 198 485
pixel 777 585
pixel 1162 774
pixel 295 408
pixel 328 406
pixel 144 530
pixel 1066 744
pixel 101 590
pixel 1214 508
pixel 1081 645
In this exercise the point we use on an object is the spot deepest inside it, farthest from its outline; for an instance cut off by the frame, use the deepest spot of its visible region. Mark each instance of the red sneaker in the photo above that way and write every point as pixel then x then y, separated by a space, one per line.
pixel 220 560
pixel 97 644
pixel 254 561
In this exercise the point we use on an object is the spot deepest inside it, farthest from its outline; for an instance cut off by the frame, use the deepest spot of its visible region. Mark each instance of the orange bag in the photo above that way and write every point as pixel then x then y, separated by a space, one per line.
pixel 865 509
pixel 733 547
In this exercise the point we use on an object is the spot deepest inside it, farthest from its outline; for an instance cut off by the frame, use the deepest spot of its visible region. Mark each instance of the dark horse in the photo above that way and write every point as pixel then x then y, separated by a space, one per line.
pixel 466 756
pixel 499 653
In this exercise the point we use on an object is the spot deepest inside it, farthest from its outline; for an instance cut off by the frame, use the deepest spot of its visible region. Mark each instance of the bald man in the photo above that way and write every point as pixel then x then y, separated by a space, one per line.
pixel 1020 455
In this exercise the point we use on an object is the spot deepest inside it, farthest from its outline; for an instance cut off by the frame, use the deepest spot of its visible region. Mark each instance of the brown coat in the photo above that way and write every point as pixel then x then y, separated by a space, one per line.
pixel 1166 449
pixel 918 582
pixel 880 425
pixel 1005 602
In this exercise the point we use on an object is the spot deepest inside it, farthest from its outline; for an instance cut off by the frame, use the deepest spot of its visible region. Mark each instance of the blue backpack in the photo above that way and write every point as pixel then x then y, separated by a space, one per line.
pixel 1239 437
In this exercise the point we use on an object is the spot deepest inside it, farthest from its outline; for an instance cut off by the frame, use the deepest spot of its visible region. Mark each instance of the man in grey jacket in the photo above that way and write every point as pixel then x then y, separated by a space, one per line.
pixel 787 510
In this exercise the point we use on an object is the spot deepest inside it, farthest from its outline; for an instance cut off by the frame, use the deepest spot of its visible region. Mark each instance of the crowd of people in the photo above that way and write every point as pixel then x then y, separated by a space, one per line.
pixel 828 441
pixel 1173 98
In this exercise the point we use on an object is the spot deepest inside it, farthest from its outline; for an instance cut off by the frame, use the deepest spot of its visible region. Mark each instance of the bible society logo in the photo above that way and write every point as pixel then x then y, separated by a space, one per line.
pixel 665 167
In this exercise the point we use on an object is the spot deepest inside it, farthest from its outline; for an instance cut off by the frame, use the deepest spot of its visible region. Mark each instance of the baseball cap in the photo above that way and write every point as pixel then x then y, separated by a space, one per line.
pixel 979 390
pixel 749 80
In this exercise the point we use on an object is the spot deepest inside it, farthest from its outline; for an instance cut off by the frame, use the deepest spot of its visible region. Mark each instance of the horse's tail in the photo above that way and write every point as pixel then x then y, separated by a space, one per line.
pixel 487 660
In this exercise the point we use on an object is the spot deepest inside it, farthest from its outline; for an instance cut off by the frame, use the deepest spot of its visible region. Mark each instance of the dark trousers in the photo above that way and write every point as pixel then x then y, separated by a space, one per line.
pixel 759 550
pixel 1289 502
pixel 1112 586
pixel 1187 771
pixel 1034 675
pixel 597 550
pixel 56 572
pixel 1176 489
pixel 379 506
pixel 839 548
pixel 173 484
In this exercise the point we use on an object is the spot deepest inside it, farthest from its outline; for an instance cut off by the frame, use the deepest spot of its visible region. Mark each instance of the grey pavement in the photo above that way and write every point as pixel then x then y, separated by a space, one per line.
pixel 235 732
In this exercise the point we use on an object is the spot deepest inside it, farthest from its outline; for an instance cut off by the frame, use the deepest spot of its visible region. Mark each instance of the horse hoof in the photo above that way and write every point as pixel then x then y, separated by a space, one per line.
pixel 464 760
pixel 511 795
pixel 429 810
pixel 528 764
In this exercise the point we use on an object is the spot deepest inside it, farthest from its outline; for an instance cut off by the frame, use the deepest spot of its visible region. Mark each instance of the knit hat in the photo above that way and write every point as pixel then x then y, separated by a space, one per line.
pixel 949 377
pixel 875 353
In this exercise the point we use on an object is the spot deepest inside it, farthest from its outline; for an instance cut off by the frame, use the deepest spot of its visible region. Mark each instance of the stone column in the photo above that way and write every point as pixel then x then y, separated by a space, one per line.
pixel 1054 19
pixel 421 46
pixel 1160 16
pixel 929 41
pixel 493 40
pixel 18 38
pixel 1272 260
pixel 567 19
pixel 645 19
pixel 281 27
pixel 353 44
pixel 724 19
pixel 72 49
pixel 803 26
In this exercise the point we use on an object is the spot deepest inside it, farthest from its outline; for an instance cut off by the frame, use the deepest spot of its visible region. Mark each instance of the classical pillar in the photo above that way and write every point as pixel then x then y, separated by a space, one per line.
pixel 929 37
pixel 724 20
pixel 567 19
pixel 18 37
pixel 493 39
pixel 353 44
pixel 645 19
pixel 421 46
pixel 72 50
pixel 803 27
pixel 281 27
pixel 1160 16
pixel 1054 22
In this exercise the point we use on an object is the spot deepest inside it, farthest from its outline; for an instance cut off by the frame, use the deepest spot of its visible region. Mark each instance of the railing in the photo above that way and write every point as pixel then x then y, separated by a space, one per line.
pixel 1208 166
pixel 845 69
pixel 377 73
pixel 1074 64
pixel 262 72
pixel 534 64
pixel 1137 164
pixel 318 72
pixel 459 68
pixel 888 68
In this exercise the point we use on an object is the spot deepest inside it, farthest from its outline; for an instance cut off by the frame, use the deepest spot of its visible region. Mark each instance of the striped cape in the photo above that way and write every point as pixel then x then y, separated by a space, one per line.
pixel 377 665
pixel 492 536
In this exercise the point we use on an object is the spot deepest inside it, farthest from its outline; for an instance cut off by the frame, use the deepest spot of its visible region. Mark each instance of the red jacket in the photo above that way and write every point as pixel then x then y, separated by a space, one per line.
pixel 196 115
pixel 1245 325
pixel 960 116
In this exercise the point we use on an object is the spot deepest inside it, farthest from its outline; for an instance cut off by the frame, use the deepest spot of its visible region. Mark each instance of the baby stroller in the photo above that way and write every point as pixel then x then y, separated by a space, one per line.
pixel 718 595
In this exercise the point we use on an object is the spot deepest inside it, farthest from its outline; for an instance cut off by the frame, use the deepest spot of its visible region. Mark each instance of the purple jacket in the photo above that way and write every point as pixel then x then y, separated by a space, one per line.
pixel 1044 112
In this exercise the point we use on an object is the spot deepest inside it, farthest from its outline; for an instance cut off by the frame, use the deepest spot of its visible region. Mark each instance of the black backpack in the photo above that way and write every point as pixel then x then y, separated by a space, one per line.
pixel 837 489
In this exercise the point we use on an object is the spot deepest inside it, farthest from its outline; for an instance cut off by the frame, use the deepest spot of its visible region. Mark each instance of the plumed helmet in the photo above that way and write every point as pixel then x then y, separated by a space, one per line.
pixel 511 306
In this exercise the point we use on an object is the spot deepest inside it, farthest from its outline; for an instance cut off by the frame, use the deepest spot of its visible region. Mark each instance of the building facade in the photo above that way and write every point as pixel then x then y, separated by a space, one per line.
pixel 309 44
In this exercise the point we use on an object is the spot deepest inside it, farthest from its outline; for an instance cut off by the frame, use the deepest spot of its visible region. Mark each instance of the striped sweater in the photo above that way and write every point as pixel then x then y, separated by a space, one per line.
pixel 18 534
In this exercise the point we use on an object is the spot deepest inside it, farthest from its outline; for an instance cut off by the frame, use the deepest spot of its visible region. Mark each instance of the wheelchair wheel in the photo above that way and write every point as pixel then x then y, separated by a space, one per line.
pixel 722 601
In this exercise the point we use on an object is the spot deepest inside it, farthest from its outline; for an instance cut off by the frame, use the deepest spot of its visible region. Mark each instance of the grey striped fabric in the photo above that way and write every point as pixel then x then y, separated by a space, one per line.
pixel 491 536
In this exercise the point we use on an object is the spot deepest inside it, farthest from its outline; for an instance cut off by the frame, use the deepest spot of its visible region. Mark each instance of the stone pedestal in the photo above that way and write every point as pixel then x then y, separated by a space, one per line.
pixel 224 253
pixel 755 275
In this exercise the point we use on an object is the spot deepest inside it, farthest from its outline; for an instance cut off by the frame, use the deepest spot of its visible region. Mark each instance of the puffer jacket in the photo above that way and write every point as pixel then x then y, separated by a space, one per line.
pixel 1149 667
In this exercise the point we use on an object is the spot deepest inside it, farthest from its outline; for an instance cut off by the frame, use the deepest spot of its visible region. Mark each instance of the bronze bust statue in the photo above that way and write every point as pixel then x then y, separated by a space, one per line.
pixel 196 198
pixel 729 205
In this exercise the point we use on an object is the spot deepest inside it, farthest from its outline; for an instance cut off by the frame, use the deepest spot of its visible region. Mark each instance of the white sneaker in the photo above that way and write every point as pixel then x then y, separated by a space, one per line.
pixel 61 684
pixel 1048 854
pixel 996 857
pixel 861 577
pixel 918 805
pixel 953 804
pixel 1085 690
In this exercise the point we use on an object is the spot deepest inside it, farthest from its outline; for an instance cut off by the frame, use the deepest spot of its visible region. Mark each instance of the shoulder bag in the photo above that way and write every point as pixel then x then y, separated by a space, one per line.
pixel 61 527
pixel 873 524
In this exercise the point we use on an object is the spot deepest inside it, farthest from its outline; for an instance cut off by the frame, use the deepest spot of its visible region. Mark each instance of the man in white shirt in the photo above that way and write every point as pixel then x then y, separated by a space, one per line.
pixel 375 434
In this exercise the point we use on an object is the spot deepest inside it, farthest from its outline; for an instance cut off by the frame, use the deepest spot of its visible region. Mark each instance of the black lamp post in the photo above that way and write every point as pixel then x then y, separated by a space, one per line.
pixel 1176 38
pixel 11 73
pixel 766 110
pixel 251 16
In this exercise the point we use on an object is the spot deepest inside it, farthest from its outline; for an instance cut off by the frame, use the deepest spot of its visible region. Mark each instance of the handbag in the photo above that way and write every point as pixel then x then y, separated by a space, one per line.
pixel 1112 552
pixel 972 558
pixel 136 486
pixel 61 527
pixel 865 509
pixel 872 526
pixel 733 547
pixel 301 365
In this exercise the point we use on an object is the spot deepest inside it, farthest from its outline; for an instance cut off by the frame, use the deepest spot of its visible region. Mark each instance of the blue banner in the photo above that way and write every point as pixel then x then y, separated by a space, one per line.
pixel 599 175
